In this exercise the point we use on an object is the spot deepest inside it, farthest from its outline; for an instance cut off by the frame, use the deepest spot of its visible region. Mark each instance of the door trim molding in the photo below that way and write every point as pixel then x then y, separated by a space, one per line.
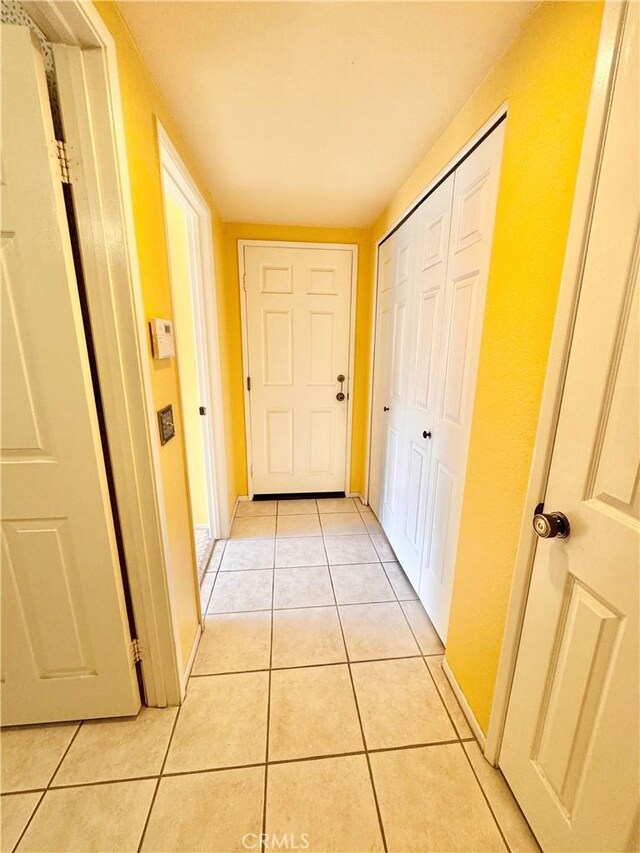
pixel 114 291
pixel 179 178
pixel 570 284
pixel 295 244
pixel 499 115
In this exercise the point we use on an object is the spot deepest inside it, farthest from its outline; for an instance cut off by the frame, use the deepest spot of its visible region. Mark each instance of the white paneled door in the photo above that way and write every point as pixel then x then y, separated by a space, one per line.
pixel 66 648
pixel 298 321
pixel 571 743
pixel 475 194
pixel 432 279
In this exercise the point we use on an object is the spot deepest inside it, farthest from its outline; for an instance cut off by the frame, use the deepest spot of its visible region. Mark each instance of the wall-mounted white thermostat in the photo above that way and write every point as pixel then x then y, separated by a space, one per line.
pixel 162 338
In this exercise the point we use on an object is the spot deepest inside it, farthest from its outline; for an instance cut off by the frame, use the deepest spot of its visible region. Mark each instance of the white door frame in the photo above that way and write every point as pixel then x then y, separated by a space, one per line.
pixel 99 172
pixel 569 293
pixel 499 115
pixel 177 180
pixel 353 248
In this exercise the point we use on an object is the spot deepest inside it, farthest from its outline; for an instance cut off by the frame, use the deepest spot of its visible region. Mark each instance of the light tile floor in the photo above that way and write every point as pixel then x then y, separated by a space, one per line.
pixel 317 712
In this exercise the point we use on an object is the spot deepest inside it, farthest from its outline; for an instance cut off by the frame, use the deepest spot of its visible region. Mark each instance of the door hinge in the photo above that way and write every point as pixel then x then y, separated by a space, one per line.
pixel 202 410
pixel 244 281
pixel 63 161
pixel 136 651
pixel 248 383
pixel 251 471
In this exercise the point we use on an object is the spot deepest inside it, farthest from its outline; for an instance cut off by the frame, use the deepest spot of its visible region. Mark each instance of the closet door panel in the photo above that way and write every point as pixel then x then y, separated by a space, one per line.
pixel 430 233
pixel 475 194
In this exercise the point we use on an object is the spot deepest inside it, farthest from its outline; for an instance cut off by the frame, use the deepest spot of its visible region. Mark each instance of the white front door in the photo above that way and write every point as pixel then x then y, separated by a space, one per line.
pixel 298 313
pixel 570 751
pixel 66 648
pixel 475 195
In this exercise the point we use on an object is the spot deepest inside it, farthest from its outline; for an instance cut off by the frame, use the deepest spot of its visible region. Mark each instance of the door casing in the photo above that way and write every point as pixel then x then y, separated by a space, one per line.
pixel 353 248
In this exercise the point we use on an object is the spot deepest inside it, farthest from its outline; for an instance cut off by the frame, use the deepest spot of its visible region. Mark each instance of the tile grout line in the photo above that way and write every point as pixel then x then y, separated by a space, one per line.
pixel 48 786
pixel 266 757
pixel 486 798
pixel 159 778
pixel 355 699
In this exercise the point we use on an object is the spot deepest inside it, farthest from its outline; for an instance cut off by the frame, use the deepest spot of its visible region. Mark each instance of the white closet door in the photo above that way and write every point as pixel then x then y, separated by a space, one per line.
pixel 395 456
pixel 430 235
pixel 381 376
pixel 474 205
pixel 66 647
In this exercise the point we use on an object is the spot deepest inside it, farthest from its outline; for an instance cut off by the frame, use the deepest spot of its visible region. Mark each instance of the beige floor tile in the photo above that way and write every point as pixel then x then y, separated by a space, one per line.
pixel 422 627
pixel 206 811
pixel 260 527
pixel 205 589
pixel 125 748
pixel 374 631
pixel 342 523
pixel 222 723
pixel 430 800
pixel 252 509
pixel 399 581
pixel 30 754
pixel 349 549
pixel 313 712
pixel 298 525
pixel 305 637
pixel 293 507
pixel 237 591
pixel 512 822
pixel 326 805
pixel 448 696
pixel 362 583
pixel 94 818
pixel 336 505
pixel 15 811
pixel 385 551
pixel 309 586
pixel 234 642
pixel 307 551
pixel 399 705
pixel 370 521
pixel 248 554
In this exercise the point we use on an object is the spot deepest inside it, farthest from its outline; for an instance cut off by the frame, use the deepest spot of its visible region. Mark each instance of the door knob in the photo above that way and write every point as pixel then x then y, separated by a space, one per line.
pixel 340 394
pixel 426 434
pixel 551 525
pixel 385 408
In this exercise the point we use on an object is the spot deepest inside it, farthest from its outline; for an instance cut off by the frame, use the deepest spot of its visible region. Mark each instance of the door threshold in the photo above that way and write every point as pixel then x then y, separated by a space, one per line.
pixel 293 496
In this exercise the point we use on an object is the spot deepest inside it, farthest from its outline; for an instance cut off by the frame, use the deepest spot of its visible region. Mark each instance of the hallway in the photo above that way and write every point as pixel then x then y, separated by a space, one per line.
pixel 317 681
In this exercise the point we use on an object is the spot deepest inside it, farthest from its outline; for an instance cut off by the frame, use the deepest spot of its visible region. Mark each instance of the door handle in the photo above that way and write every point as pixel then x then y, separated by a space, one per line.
pixel 385 408
pixel 551 525
pixel 426 434
pixel 340 394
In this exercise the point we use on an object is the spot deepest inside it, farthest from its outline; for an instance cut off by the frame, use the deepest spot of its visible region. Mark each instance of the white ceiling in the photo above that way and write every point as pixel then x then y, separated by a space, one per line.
pixel 313 113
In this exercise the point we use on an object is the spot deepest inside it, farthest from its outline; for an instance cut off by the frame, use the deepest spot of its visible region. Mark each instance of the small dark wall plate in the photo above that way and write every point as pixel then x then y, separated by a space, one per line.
pixel 165 424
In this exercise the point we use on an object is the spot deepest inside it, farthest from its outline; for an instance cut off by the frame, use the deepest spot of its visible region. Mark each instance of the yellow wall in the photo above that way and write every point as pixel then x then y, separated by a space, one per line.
pixel 142 103
pixel 184 330
pixel 545 78
pixel 231 321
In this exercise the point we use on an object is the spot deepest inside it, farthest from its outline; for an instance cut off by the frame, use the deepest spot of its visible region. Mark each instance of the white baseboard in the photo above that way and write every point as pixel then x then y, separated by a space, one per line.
pixel 356 495
pixel 466 708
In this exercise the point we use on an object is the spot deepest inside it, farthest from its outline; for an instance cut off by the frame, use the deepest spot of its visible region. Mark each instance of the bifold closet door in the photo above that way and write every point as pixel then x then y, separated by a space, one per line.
pixel 474 205
pixel 429 234
pixel 432 278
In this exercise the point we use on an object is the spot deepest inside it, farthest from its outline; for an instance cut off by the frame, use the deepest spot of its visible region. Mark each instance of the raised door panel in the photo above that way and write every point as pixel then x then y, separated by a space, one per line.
pixel 278 435
pixel 277 347
pixel 457 364
pixel 322 333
